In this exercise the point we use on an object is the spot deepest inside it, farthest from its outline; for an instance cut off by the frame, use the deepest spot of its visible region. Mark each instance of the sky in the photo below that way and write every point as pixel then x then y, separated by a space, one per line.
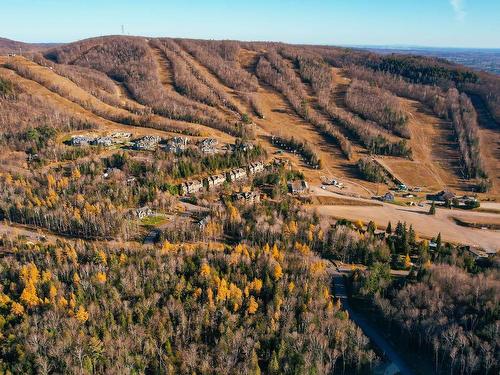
pixel 434 23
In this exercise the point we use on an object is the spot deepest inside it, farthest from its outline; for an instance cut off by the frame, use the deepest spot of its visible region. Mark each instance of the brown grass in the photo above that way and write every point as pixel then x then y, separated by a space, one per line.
pixel 335 201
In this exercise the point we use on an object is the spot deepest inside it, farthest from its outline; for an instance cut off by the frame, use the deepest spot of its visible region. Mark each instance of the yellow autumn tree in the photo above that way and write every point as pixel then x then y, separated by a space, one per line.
pixel 293 228
pixel 277 272
pixel 236 296
pixel 275 252
pixel 266 248
pixel 30 276
pixel 197 293
pixel 63 303
pixel 205 270
pixel 76 278
pixel 222 291
pixel 82 315
pixel 101 256
pixel 72 301
pixel 30 273
pixel 51 181
pixel 234 214
pixel 75 174
pixel 210 297
pixel 16 308
pixel 359 224
pixel 46 276
pixel 256 285
pixel 407 261
pixel 252 306
pixel 52 293
pixel 101 277
pixel 167 247
pixel 4 299
pixel 310 233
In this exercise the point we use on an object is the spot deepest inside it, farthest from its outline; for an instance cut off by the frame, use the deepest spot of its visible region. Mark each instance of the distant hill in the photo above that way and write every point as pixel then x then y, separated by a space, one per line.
pixel 13 46
pixel 480 59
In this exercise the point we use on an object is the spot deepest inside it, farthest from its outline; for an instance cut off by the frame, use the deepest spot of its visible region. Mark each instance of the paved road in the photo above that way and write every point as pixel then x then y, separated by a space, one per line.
pixel 376 338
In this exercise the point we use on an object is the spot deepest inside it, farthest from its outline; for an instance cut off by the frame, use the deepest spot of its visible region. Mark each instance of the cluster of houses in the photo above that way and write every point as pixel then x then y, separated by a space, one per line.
pixel 208 146
pixel 84 140
pixel 142 212
pixel 242 146
pixel 214 181
pixel 448 197
pixel 247 197
pixel 146 143
pixel 103 141
pixel 298 187
pixel 190 187
pixel 177 145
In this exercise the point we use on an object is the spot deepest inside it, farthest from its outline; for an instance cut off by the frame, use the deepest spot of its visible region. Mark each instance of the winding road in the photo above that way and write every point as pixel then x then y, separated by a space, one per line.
pixel 377 339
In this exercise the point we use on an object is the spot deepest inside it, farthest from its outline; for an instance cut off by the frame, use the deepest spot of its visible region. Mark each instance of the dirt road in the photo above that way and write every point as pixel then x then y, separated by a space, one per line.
pixel 425 225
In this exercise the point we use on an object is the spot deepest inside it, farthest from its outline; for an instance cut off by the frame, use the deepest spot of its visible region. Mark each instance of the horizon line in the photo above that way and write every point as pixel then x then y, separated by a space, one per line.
pixel 344 45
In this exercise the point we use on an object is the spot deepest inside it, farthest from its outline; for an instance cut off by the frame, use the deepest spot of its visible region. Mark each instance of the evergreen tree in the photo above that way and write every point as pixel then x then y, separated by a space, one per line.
pixel 411 235
pixel 388 230
pixel 432 210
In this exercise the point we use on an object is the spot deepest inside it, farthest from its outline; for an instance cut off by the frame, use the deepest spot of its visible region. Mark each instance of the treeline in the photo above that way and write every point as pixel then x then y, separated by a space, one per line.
pixel 297 146
pixel 189 80
pixel 29 122
pixel 377 105
pixel 130 60
pixel 180 309
pixel 222 59
pixel 450 105
pixel 94 82
pixel 371 170
pixel 254 102
pixel 319 75
pixel 451 315
pixel 274 70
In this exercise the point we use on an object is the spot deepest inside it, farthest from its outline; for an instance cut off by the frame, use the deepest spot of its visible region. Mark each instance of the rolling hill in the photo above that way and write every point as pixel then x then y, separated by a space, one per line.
pixel 305 92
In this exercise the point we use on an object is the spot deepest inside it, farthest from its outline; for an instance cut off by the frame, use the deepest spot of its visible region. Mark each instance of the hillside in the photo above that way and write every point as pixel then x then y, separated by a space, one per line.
pixel 186 84
pixel 11 46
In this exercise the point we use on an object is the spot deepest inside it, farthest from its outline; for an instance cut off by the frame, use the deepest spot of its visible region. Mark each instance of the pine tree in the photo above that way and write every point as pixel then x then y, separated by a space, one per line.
pixel 432 210
pixel 438 242
pixel 388 230
pixel 274 365
pixel 372 227
pixel 254 365
pixel 411 235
